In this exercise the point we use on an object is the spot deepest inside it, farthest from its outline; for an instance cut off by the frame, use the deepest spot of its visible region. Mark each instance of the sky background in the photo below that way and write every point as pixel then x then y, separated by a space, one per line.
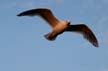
pixel 24 48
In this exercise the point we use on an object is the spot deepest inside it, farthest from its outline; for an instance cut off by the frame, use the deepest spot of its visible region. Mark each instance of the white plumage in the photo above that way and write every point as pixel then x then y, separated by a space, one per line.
pixel 58 26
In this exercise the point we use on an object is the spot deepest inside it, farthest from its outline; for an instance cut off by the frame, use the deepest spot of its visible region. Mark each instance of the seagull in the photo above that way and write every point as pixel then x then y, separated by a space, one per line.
pixel 58 26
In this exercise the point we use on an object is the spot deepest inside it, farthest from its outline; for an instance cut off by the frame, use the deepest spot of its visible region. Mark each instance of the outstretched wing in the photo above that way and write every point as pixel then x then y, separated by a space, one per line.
pixel 45 13
pixel 85 31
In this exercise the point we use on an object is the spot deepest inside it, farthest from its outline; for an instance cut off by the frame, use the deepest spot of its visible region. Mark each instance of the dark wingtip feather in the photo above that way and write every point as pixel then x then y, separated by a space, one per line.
pixel 96 44
pixel 27 13
pixel 24 13
pixel 19 14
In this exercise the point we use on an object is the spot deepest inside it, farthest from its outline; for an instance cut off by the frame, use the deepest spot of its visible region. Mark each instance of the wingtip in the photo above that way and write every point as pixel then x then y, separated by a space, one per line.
pixel 21 14
pixel 96 45
pixel 18 15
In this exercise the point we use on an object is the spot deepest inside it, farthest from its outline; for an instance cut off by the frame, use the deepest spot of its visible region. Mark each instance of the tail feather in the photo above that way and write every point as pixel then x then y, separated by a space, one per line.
pixel 50 36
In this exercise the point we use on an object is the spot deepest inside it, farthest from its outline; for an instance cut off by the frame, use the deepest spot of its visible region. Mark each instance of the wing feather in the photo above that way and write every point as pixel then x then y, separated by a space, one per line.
pixel 45 13
pixel 85 31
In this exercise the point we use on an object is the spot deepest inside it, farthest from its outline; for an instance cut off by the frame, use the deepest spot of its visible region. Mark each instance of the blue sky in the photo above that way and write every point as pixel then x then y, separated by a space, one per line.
pixel 23 47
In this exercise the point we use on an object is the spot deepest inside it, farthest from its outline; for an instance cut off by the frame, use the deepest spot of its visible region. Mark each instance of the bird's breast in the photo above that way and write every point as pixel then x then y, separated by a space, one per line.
pixel 60 27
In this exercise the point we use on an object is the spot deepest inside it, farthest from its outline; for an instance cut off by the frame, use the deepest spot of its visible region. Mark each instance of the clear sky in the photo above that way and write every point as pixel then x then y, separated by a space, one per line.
pixel 24 48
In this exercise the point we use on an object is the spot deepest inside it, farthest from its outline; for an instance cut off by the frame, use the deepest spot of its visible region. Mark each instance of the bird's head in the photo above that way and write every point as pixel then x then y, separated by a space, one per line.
pixel 68 22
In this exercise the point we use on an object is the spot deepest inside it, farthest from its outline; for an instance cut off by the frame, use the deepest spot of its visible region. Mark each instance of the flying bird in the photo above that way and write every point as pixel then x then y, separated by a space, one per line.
pixel 58 26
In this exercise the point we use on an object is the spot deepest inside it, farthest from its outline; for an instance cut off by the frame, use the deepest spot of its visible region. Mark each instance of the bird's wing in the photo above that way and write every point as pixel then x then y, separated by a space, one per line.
pixel 85 31
pixel 45 13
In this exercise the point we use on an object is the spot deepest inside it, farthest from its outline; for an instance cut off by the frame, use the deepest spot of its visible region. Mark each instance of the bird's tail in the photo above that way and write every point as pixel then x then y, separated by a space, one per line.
pixel 50 36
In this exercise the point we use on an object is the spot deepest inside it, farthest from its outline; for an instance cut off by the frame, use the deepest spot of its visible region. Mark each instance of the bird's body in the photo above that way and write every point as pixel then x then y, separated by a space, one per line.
pixel 58 26
pixel 61 26
pixel 58 29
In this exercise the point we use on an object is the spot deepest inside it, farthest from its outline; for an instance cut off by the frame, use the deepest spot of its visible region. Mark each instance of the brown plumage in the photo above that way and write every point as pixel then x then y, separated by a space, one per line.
pixel 58 26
